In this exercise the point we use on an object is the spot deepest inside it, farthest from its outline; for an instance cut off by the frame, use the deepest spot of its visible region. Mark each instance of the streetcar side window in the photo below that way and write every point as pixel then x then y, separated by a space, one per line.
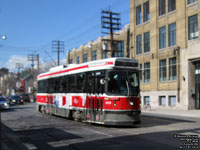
pixel 100 88
pixel 42 86
pixel 50 88
pixel 56 85
pixel 80 82
pixel 63 84
pixel 91 82
pixel 71 84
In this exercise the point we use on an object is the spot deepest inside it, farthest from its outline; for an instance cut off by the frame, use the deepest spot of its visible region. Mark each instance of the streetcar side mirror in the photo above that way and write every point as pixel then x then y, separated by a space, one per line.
pixel 102 81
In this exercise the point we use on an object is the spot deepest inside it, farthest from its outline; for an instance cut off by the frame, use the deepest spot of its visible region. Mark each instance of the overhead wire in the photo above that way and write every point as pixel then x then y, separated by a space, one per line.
pixel 77 36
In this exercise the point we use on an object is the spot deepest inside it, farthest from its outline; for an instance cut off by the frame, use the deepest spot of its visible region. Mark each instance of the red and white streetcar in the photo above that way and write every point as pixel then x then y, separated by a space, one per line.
pixel 103 91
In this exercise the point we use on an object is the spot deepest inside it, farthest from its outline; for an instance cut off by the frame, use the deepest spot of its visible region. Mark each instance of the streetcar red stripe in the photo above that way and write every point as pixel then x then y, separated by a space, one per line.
pixel 109 63
pixel 76 68
pixel 63 71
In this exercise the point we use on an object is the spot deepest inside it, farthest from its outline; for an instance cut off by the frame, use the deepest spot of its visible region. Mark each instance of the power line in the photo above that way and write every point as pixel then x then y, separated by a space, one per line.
pixel 110 24
pixel 33 57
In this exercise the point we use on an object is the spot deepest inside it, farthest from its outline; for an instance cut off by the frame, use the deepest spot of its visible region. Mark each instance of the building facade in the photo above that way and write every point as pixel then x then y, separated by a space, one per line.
pixel 100 48
pixel 164 38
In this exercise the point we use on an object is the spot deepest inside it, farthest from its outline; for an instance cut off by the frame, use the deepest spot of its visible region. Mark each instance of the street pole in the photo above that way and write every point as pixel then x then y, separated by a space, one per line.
pixel 58 47
pixel 4 38
pixel 33 57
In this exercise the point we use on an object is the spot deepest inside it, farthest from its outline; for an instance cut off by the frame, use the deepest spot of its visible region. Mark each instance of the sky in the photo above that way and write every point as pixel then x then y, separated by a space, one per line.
pixel 31 25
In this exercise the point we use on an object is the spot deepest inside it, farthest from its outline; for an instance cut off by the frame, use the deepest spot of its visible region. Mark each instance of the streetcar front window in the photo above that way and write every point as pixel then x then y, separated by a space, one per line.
pixel 123 83
pixel 117 83
pixel 133 80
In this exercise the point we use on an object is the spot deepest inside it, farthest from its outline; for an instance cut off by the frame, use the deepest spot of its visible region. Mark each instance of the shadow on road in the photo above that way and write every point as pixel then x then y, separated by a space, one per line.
pixel 61 140
pixel 40 138
pixel 151 121
pixel 154 141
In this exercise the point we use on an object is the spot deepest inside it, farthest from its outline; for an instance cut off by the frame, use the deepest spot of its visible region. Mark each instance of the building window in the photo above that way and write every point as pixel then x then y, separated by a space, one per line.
pixel 139 44
pixel 191 1
pixel 138 15
pixel 78 60
pixel 163 70
pixel 172 68
pixel 146 100
pixel 71 61
pixel 172 100
pixel 146 42
pixel 172 34
pixel 162 100
pixel 146 12
pixel 171 5
pixel 193 27
pixel 104 50
pixel 162 37
pixel 85 57
pixel 161 7
pixel 120 49
pixel 140 73
pixel 147 72
pixel 94 55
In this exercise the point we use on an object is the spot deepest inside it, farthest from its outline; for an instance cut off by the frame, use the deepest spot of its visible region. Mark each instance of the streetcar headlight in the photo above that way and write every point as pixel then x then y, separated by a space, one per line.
pixel 131 103
pixel 5 104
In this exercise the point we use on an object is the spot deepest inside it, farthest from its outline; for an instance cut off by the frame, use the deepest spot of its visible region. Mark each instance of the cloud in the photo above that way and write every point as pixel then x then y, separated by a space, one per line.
pixel 11 64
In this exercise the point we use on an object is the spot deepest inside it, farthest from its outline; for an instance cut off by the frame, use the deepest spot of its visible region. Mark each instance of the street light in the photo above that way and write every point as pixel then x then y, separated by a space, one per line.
pixel 4 37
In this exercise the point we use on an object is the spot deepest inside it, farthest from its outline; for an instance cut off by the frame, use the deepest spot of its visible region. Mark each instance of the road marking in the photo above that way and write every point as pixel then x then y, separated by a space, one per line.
pixel 130 133
pixel 29 146
pixel 98 132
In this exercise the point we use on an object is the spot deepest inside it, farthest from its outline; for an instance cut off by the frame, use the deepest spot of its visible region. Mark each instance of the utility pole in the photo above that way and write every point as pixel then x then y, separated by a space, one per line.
pixel 19 66
pixel 58 46
pixel 110 22
pixel 32 57
pixel 38 62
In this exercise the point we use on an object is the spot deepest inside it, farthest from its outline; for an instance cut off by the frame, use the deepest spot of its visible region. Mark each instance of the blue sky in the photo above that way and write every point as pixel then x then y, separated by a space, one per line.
pixel 31 25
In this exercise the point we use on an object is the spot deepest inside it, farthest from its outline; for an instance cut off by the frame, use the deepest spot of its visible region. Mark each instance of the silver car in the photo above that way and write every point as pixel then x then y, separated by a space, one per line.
pixel 4 104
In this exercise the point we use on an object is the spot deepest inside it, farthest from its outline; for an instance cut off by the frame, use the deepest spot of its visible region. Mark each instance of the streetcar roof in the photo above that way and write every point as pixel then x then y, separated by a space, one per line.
pixel 102 64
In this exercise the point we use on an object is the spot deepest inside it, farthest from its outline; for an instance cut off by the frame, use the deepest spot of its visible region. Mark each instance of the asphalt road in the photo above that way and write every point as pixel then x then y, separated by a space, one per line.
pixel 24 128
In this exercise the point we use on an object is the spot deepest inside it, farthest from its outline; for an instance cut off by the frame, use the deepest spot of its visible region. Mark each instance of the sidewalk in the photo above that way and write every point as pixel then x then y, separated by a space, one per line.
pixel 173 112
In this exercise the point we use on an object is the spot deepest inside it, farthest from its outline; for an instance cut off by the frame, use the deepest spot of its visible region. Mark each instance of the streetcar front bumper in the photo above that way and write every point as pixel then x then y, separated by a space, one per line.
pixel 125 118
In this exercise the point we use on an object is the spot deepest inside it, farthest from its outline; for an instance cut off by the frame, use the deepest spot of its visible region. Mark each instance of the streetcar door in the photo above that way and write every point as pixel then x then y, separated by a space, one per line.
pixel 49 97
pixel 95 91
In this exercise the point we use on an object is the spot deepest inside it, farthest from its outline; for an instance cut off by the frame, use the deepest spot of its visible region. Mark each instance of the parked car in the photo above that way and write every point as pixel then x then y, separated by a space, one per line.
pixel 25 97
pixel 4 104
pixel 16 99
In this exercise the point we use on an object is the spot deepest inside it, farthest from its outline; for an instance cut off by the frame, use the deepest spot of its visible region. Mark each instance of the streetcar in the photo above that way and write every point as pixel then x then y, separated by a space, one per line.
pixel 103 91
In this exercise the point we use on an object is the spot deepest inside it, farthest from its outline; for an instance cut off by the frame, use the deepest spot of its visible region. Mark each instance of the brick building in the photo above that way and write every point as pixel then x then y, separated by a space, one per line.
pixel 166 43
pixel 99 49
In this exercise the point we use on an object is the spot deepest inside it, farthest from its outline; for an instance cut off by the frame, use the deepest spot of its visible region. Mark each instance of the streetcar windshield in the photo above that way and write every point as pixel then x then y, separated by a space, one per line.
pixel 123 83
pixel 133 83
